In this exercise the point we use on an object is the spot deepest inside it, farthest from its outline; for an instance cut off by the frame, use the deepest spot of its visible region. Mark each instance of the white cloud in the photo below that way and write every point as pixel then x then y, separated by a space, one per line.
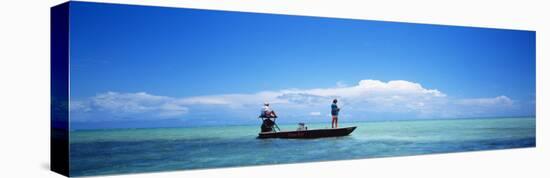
pixel 366 90
pixel 496 101
pixel 367 96
pixel 341 84
pixel 479 107
pixel 80 106
pixel 315 113
pixel 127 104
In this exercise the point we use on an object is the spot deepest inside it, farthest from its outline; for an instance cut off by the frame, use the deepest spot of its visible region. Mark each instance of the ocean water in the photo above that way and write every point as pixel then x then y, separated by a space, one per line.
pixel 101 152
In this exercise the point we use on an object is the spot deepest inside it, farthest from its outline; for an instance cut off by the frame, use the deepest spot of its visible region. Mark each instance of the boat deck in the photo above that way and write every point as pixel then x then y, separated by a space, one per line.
pixel 306 134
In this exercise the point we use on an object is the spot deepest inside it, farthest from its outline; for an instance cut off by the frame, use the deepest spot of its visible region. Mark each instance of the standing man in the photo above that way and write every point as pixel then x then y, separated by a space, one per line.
pixel 334 111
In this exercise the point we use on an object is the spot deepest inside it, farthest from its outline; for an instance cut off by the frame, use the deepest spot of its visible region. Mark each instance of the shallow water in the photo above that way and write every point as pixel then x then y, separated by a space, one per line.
pixel 100 152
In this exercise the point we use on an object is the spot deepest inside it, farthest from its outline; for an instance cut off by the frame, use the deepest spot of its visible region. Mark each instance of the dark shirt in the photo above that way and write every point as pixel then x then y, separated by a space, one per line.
pixel 334 109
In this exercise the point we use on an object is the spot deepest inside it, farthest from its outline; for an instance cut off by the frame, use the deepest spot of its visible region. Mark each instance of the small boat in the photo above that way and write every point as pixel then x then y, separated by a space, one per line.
pixel 304 134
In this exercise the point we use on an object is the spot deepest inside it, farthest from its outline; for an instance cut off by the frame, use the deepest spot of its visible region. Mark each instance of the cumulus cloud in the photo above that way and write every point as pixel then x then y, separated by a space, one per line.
pixel 365 90
pixel 367 96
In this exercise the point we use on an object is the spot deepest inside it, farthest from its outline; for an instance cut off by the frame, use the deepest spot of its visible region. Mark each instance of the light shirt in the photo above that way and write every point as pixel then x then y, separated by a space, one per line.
pixel 266 109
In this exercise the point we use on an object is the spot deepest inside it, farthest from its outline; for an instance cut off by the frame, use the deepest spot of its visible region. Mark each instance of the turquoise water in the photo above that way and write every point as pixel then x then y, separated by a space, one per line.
pixel 101 152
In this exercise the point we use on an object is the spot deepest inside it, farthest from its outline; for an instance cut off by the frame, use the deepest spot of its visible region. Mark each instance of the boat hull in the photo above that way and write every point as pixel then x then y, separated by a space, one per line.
pixel 308 134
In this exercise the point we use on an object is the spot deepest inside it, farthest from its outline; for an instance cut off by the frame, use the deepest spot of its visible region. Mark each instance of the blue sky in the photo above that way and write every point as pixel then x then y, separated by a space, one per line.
pixel 136 66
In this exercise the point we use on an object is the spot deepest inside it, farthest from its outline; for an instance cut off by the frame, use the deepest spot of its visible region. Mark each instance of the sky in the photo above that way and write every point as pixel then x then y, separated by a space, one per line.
pixel 138 66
